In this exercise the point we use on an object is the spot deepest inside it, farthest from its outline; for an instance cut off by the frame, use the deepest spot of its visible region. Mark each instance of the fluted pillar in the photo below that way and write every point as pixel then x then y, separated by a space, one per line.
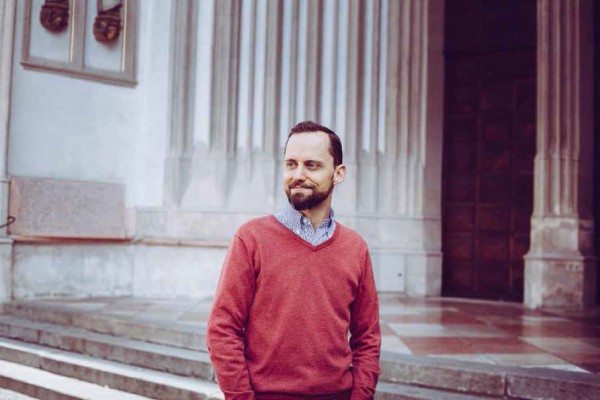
pixel 7 28
pixel 560 268
pixel 370 70
pixel 179 159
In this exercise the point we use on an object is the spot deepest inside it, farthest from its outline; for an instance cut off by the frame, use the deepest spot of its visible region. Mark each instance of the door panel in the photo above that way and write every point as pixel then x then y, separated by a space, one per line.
pixel 489 146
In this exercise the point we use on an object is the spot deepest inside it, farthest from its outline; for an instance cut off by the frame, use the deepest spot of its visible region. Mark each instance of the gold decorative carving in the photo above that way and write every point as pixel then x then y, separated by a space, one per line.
pixel 54 15
pixel 107 25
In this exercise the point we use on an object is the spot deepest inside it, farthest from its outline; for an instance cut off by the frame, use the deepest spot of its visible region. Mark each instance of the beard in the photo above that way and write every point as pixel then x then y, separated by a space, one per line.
pixel 302 201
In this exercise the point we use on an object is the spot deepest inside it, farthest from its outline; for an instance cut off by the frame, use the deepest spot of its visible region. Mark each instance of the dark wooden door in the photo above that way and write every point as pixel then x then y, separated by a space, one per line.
pixel 489 146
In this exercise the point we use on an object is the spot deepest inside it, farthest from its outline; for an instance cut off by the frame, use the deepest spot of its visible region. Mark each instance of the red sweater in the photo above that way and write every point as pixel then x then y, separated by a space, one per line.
pixel 282 312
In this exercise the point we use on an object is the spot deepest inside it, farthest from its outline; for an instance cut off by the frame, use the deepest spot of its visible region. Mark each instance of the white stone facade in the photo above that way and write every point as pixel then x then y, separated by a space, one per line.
pixel 196 145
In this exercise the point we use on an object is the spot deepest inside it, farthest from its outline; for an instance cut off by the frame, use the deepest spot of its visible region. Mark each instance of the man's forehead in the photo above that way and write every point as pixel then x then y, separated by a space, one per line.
pixel 308 141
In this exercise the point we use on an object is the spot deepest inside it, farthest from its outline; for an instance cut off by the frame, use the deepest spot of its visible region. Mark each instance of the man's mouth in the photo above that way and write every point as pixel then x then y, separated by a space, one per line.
pixel 300 187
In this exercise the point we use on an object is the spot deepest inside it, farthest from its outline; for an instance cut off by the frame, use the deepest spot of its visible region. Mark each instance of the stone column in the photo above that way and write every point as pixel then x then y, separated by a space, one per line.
pixel 372 71
pixel 179 159
pixel 7 28
pixel 399 146
pixel 560 267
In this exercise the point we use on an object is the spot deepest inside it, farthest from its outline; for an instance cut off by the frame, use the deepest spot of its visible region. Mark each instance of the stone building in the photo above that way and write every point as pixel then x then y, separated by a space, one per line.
pixel 468 128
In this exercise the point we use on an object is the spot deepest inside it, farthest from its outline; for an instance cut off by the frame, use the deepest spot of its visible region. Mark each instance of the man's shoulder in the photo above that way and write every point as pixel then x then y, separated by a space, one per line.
pixel 350 234
pixel 258 225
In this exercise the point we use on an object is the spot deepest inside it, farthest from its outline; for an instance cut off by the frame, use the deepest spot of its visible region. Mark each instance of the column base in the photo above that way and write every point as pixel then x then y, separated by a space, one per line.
pixel 557 281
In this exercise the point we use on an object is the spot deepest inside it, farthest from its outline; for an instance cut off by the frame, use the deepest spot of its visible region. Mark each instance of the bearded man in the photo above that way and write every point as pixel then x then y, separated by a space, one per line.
pixel 292 286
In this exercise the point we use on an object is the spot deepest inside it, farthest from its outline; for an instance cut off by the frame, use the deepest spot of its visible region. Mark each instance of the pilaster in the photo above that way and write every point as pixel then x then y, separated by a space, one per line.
pixel 7 29
pixel 560 267
pixel 372 71
pixel 179 159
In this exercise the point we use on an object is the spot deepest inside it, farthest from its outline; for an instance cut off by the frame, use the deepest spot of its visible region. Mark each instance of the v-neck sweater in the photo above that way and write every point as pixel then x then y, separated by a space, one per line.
pixel 282 312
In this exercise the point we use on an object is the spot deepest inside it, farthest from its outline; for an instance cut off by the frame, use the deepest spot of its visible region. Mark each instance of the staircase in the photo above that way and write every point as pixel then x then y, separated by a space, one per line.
pixel 51 352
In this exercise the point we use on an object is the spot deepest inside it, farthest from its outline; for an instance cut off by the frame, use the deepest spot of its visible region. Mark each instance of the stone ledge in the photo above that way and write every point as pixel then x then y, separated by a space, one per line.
pixel 461 377
pixel 391 391
pixel 58 208
pixel 403 376
pixel 488 380
pixel 537 383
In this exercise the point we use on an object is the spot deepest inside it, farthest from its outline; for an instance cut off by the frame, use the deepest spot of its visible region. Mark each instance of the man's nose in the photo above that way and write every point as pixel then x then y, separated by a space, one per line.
pixel 299 173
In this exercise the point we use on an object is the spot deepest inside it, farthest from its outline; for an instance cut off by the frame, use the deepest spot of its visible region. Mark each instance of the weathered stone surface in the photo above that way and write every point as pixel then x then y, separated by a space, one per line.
pixel 463 377
pixel 17 356
pixel 161 271
pixel 387 391
pixel 10 395
pixel 116 269
pixel 552 281
pixel 24 333
pixel 5 269
pixel 553 385
pixel 171 334
pixel 141 381
pixel 487 381
pixel 135 353
pixel 83 270
pixel 48 386
pixel 560 268
pixel 45 207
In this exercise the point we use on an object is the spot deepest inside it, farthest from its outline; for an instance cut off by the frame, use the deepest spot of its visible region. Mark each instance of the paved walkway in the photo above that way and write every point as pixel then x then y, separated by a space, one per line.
pixel 488 332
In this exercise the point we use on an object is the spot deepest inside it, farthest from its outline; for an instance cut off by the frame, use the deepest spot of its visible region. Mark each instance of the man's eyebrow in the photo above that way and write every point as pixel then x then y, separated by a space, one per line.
pixel 314 161
pixel 291 159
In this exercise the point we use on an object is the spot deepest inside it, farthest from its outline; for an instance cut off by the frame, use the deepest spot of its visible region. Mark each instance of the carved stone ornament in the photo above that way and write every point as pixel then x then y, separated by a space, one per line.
pixel 54 15
pixel 108 21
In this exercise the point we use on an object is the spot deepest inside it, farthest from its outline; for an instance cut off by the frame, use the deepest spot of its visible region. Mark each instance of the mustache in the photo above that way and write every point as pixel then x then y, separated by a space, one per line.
pixel 297 184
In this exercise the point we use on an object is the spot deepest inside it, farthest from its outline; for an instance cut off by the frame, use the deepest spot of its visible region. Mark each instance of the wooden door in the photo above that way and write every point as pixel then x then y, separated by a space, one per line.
pixel 489 146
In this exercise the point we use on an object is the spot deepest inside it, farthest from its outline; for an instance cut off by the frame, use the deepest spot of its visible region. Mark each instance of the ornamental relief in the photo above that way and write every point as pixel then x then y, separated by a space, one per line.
pixel 54 15
pixel 89 39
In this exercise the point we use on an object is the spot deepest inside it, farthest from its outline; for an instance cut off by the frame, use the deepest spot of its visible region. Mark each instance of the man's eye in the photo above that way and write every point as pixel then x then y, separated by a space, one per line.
pixel 311 166
pixel 290 164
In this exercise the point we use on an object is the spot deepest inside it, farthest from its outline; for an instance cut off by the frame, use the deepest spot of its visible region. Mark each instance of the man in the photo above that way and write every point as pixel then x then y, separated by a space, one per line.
pixel 292 286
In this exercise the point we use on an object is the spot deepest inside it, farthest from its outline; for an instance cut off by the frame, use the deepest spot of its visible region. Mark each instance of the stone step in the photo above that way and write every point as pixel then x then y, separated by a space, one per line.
pixel 127 351
pixel 10 395
pixel 51 365
pixel 45 385
pixel 390 391
pixel 35 359
pixel 488 381
pixel 128 337
pixel 169 333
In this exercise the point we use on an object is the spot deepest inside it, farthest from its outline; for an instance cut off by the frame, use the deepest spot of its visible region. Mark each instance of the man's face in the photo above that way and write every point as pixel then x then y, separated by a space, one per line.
pixel 308 171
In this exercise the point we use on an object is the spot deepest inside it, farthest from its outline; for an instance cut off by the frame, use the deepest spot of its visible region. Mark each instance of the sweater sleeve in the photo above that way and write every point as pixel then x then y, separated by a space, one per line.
pixel 225 332
pixel 365 339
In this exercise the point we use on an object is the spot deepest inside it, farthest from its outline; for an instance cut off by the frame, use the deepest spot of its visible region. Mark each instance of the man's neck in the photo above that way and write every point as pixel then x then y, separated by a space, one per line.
pixel 318 214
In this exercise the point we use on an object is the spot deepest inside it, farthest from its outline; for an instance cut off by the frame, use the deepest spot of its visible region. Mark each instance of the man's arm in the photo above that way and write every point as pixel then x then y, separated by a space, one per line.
pixel 225 333
pixel 365 340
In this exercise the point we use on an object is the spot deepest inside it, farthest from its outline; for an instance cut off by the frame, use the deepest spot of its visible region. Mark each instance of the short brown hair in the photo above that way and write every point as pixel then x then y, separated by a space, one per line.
pixel 335 144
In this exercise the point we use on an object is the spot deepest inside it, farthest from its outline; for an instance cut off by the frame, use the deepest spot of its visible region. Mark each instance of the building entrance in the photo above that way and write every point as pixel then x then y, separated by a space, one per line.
pixel 489 146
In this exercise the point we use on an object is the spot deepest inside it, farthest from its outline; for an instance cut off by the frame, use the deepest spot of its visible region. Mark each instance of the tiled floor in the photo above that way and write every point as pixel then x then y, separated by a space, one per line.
pixel 493 332
pixel 488 332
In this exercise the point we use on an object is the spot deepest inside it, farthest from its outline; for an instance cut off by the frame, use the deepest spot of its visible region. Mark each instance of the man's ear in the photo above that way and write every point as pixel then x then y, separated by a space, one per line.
pixel 340 174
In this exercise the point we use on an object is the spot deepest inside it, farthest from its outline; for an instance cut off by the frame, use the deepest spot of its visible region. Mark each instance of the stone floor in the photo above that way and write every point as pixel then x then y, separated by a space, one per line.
pixel 10 395
pixel 488 332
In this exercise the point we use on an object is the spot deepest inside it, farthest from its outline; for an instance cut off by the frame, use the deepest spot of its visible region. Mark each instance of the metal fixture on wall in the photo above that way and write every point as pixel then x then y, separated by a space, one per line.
pixel 107 56
pixel 108 21
pixel 54 15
